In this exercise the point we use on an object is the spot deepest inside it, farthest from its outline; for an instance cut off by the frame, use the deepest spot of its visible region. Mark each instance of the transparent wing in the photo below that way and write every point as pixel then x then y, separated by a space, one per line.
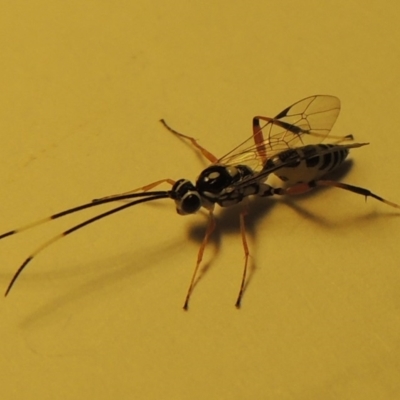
pixel 308 121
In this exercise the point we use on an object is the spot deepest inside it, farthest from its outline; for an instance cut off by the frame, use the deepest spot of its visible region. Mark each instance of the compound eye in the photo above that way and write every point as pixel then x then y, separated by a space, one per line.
pixel 190 203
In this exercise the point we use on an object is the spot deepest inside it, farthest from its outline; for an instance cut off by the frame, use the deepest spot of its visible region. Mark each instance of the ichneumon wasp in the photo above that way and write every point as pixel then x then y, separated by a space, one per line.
pixel 288 145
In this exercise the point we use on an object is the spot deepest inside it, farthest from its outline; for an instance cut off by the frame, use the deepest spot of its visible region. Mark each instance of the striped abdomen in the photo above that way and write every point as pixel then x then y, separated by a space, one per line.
pixel 309 162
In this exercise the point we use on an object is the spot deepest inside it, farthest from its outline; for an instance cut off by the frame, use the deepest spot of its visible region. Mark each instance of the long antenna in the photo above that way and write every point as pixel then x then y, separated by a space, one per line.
pixel 148 197
pixel 93 203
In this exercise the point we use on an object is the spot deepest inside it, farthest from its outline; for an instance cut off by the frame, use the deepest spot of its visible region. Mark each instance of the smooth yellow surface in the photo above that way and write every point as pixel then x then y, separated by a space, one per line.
pixel 98 316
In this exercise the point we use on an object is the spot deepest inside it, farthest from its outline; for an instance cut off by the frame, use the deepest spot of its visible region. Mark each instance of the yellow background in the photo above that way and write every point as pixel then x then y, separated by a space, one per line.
pixel 83 85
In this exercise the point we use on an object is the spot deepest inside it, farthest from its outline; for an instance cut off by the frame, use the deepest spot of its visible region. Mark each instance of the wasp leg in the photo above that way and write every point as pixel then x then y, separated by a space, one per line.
pixel 246 256
pixel 301 188
pixel 210 229
pixel 143 189
pixel 210 157
pixel 258 137
pixel 356 189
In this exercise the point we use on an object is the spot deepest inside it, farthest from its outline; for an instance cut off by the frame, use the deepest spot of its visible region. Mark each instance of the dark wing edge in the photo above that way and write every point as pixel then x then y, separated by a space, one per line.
pixel 308 121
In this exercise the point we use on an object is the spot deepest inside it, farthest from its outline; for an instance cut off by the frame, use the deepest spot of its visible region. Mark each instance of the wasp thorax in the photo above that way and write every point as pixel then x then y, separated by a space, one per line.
pixel 186 196
pixel 215 179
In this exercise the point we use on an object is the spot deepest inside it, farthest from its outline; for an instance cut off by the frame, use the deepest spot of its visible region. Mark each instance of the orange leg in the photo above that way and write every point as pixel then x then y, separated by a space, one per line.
pixel 356 189
pixel 259 138
pixel 203 151
pixel 210 228
pixel 301 188
pixel 246 256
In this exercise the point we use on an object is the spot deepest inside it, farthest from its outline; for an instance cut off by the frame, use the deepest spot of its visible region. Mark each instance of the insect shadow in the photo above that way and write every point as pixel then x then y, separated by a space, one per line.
pixel 96 278
pixel 257 209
